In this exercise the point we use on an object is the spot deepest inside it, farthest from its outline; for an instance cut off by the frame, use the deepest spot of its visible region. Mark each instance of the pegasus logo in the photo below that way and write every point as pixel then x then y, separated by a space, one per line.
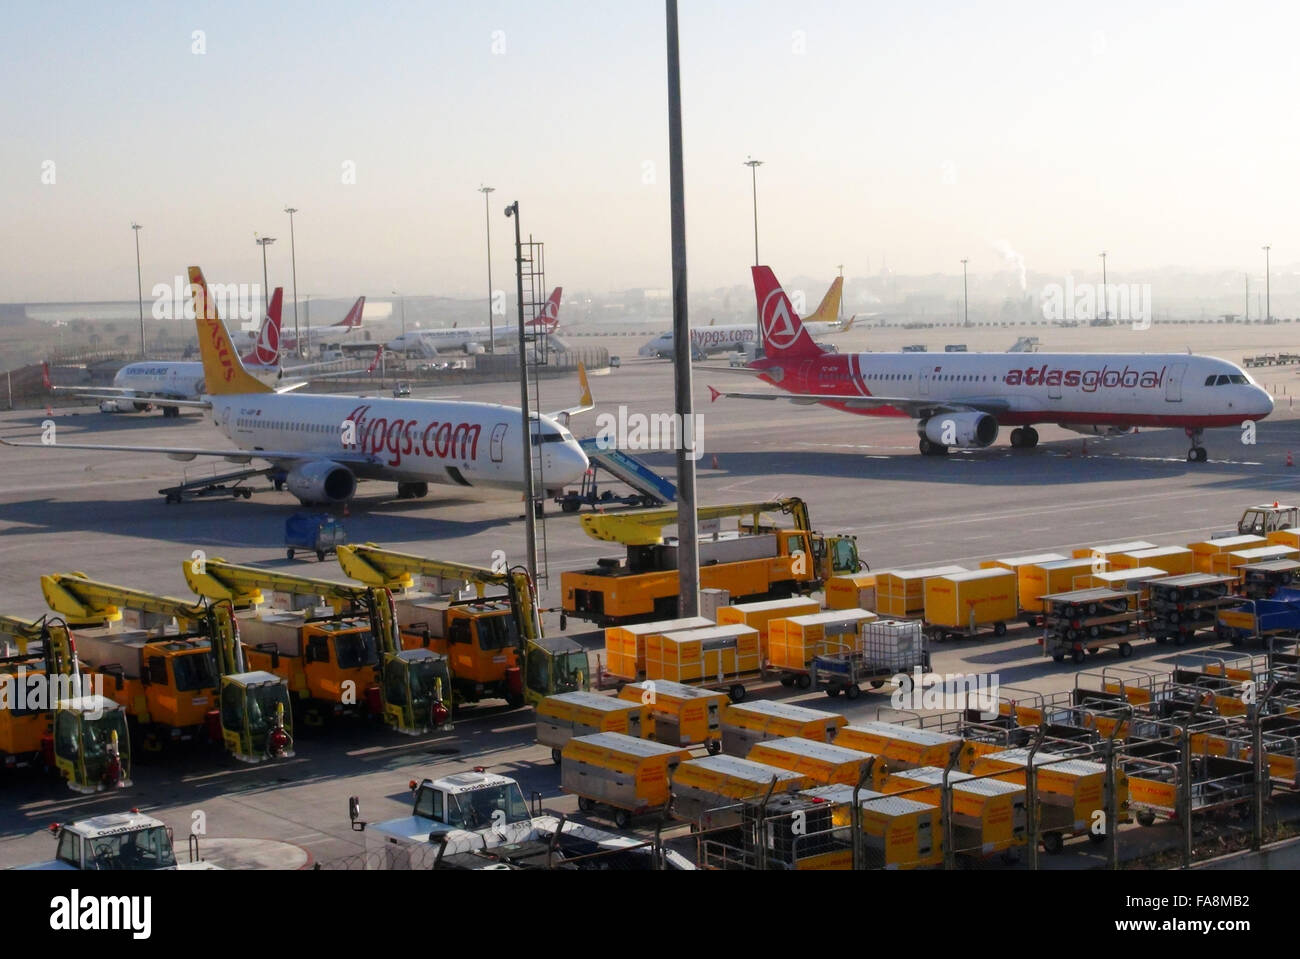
pixel 216 332
pixel 267 351
pixel 778 326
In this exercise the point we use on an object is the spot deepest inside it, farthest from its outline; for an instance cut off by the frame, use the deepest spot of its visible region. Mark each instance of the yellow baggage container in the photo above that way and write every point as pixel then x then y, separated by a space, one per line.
pixel 854 591
pixel 744 724
pixel 625 645
pixel 825 763
pixel 1088 552
pixel 793 642
pixel 1015 562
pixel 901 592
pixel 706 791
pixel 1037 580
pixel 966 600
pixel 1070 790
pixel 902 746
pixel 632 775
pixel 1205 551
pixel 897 832
pixel 581 713
pixel 710 655
pixel 1225 564
pixel 759 615
pixel 683 715
pixel 988 814
pixel 1134 580
pixel 1174 560
pixel 1285 537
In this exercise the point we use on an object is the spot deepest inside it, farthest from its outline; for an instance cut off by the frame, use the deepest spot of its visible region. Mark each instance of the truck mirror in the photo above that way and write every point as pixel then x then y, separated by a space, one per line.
pixel 354 813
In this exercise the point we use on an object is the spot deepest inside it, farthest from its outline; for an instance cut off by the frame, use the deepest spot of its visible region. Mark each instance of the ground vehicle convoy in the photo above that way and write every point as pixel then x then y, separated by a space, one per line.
pixel 176 685
pixel 332 661
pixel 495 646
pixel 115 841
pixel 755 562
pixel 68 726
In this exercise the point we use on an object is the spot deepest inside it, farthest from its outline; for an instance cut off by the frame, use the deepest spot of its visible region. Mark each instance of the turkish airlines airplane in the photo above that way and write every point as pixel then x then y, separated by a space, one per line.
pixel 729 337
pixel 473 339
pixel 316 334
pixel 961 399
pixel 320 445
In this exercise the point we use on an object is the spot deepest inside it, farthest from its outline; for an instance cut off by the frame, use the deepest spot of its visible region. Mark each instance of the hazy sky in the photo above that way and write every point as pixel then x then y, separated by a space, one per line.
pixel 1164 133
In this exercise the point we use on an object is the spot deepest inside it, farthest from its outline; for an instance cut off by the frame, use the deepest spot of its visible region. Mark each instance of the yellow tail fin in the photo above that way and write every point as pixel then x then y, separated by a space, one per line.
pixel 829 310
pixel 223 373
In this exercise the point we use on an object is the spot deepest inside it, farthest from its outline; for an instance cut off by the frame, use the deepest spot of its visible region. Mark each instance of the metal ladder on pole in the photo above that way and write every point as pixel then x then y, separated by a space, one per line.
pixel 533 271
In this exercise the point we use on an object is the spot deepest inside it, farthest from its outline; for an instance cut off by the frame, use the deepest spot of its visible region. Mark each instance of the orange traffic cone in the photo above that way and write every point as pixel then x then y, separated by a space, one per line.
pixel 1289 460
pixel 714 464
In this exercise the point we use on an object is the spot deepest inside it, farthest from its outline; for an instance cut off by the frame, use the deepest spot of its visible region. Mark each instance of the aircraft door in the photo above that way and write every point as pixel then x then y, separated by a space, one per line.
pixel 1174 383
pixel 923 379
pixel 497 445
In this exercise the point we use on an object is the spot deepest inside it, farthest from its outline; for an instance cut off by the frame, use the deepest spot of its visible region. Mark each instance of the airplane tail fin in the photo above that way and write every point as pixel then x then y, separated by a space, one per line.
pixel 353 320
pixel 829 309
pixel 45 376
pixel 266 351
pixel 223 373
pixel 784 335
pixel 548 317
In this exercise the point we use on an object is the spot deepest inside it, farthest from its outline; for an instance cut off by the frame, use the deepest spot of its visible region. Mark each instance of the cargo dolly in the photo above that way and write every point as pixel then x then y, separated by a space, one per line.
pixel 1181 606
pixel 887 648
pixel 1263 580
pixel 1083 621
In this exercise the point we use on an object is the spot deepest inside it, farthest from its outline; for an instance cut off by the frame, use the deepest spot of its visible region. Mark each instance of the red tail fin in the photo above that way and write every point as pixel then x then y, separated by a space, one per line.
pixel 266 351
pixel 45 376
pixel 548 317
pixel 784 335
pixel 353 319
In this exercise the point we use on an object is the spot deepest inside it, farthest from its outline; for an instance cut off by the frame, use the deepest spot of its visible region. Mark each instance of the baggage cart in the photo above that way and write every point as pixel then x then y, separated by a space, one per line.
pixel 317 533
pixel 889 647
pixel 683 715
pixel 1083 621
pixel 581 713
pixel 707 792
pixel 964 604
pixel 744 724
pixel 630 776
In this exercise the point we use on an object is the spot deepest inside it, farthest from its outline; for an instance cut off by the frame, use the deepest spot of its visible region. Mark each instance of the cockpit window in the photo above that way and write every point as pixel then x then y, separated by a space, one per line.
pixel 1223 381
pixel 1238 378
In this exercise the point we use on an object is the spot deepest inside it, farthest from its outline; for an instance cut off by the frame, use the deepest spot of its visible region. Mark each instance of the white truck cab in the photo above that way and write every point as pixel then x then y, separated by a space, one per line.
pixel 114 841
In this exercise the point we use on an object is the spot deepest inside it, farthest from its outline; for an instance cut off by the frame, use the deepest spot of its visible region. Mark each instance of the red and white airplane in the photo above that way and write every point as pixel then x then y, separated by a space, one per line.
pixel 961 399
pixel 473 339
pixel 317 334
pixel 319 445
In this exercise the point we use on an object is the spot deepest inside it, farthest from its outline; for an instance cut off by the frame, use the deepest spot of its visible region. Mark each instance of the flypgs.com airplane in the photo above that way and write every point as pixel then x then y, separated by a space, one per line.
pixel 729 337
pixel 320 445
pixel 960 399
pixel 473 339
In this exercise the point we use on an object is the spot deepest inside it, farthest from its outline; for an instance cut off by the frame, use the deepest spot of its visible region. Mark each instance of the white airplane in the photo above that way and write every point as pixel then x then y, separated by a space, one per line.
pixel 729 337
pixel 320 445
pixel 960 399
pixel 321 334
pixel 473 339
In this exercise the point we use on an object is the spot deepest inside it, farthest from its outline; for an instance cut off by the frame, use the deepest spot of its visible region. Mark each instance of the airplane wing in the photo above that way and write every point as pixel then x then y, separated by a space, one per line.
pixel 912 407
pixel 185 454
pixel 119 393
pixel 584 400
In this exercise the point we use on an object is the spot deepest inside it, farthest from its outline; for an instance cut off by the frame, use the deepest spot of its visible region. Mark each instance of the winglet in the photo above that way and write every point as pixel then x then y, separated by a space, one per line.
pixel 714 394
pixel 45 375
pixel 584 398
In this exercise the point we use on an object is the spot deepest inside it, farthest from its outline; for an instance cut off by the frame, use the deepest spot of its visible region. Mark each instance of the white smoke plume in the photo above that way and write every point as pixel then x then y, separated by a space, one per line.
pixel 1009 255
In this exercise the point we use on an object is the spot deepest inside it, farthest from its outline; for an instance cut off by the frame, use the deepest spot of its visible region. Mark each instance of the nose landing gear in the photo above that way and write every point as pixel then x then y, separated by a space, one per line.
pixel 1197 454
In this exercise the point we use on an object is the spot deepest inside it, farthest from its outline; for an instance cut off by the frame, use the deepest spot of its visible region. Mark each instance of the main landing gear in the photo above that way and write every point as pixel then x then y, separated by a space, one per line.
pixel 1197 453
pixel 932 449
pixel 412 490
pixel 1024 437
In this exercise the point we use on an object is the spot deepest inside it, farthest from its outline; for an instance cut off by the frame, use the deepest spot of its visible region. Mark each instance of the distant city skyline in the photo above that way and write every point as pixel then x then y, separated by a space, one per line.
pixel 1014 135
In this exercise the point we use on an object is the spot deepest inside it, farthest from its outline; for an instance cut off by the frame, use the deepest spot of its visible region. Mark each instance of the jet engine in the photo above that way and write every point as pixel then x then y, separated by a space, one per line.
pixel 963 430
pixel 321 481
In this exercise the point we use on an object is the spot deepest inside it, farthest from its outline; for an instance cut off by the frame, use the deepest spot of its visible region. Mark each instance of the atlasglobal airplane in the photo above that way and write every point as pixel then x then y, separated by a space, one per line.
pixel 473 339
pixel 319 446
pixel 961 399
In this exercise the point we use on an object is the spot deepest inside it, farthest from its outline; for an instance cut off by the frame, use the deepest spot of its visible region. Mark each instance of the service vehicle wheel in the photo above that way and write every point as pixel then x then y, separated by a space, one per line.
pixel 1126 650
pixel 737 693
pixel 1058 657
pixel 585 804
pixel 803 681
pixel 999 629
pixel 852 691
pixel 320 555
pixel 1096 838
pixel 713 746
pixel 289 553
pixel 556 756
pixel 622 818
pixel 787 681
pixel 877 683
pixel 1053 843
pixel 1146 817
pixel 833 691
pixel 1079 656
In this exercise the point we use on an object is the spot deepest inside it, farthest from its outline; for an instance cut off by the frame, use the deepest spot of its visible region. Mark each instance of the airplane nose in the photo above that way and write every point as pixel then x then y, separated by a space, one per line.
pixel 1265 401
pixel 571 462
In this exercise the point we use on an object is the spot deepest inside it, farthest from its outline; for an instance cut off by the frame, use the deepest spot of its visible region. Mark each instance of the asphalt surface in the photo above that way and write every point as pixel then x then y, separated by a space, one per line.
pixel 101 514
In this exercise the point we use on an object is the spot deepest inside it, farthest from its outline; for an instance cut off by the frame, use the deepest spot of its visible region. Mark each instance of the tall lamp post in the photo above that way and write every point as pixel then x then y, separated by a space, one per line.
pixel 406 347
pixel 1105 297
pixel 530 496
pixel 965 298
pixel 1268 305
pixel 293 259
pixel 139 283
pixel 753 178
pixel 264 242
pixel 487 217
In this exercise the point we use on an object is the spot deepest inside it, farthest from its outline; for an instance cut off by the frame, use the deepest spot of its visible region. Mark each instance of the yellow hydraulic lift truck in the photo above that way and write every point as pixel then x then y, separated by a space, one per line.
pixel 349 657
pixel 494 644
pixel 51 717
pixel 754 562
pixel 179 672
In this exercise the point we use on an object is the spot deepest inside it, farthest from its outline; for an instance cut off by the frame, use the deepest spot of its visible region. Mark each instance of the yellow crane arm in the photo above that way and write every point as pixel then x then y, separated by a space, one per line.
pixel 243 585
pixel 84 600
pixel 23 631
pixel 56 641
pixel 644 527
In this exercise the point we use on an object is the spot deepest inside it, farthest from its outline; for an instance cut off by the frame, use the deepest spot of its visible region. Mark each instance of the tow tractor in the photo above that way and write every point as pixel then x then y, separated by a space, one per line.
pixel 180 673
pixel 328 654
pixel 754 562
pixel 82 735
pixel 1262 520
pixel 117 841
pixel 495 644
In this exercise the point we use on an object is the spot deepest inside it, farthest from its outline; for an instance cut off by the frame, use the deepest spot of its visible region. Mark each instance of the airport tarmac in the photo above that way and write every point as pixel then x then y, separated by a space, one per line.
pixel 101 514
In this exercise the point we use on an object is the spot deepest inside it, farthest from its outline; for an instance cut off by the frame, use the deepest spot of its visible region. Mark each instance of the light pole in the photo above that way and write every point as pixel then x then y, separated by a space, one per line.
pixel 1105 298
pixel 406 347
pixel 753 177
pixel 264 242
pixel 139 283
pixel 293 259
pixel 1268 306
pixel 530 497
pixel 965 298
pixel 487 217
